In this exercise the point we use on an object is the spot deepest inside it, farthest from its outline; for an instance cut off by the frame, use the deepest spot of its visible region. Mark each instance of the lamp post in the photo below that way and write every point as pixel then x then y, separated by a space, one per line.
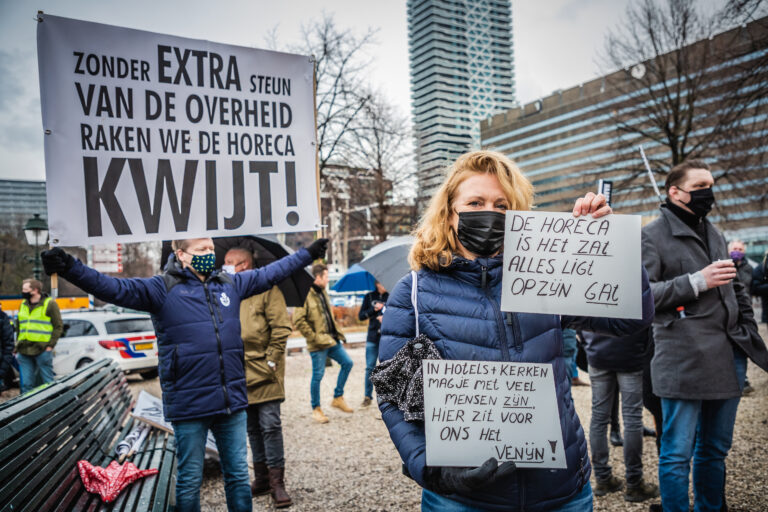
pixel 36 231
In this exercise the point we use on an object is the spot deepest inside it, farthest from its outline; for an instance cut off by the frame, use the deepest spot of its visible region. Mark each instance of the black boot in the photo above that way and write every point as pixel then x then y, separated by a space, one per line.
pixel 260 484
pixel 279 494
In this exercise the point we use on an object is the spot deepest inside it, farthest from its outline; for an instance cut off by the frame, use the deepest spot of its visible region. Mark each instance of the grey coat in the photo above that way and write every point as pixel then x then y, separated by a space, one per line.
pixel 694 355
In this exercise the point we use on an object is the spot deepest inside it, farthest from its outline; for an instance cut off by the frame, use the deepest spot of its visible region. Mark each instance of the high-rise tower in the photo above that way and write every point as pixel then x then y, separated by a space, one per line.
pixel 462 72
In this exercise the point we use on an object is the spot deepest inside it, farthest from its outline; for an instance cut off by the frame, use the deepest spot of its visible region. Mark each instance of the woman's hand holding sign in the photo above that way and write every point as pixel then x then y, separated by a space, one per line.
pixel 591 203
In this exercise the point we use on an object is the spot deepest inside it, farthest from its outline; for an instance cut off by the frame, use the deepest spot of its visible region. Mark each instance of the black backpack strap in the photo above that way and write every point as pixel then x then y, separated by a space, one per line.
pixel 171 280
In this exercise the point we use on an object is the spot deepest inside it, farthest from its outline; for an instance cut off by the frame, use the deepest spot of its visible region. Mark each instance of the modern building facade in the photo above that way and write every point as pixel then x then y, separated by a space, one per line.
pixel 462 71
pixel 568 141
pixel 21 199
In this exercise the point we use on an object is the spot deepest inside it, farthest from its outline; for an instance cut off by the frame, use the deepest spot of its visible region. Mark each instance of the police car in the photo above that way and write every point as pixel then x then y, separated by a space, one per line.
pixel 127 337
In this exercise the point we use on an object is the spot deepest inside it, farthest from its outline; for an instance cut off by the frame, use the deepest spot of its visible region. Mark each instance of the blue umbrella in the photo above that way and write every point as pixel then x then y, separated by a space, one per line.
pixel 357 279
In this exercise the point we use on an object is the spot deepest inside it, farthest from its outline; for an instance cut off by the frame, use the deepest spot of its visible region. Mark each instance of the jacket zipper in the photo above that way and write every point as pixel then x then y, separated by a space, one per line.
pixel 218 341
pixel 218 310
pixel 514 322
pixel 497 313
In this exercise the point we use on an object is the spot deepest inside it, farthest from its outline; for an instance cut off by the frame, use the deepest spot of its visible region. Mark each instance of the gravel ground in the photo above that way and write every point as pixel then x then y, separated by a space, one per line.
pixel 350 463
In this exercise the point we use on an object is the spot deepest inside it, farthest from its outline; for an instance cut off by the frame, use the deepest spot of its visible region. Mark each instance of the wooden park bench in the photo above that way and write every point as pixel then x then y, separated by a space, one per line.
pixel 80 416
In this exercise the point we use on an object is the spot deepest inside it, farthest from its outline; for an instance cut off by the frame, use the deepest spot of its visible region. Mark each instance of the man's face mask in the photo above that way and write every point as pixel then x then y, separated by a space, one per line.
pixel 701 201
pixel 27 295
pixel 203 263
pixel 482 232
pixel 229 269
pixel 737 255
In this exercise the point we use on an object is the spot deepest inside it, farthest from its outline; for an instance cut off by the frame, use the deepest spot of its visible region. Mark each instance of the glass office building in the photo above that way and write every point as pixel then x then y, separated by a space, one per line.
pixel 21 199
pixel 462 71
pixel 567 142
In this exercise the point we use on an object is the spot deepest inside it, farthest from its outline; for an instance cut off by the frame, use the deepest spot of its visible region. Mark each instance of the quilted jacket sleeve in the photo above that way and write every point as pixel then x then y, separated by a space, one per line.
pixel 144 294
pixel 397 328
pixel 252 282
pixel 616 326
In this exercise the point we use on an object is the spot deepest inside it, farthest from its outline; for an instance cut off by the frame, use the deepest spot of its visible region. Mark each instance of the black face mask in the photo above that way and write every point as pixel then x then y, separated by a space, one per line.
pixel 701 201
pixel 482 233
pixel 27 296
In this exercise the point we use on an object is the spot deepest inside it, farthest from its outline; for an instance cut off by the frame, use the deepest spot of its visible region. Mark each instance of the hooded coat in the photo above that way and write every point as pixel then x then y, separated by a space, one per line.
pixel 312 322
pixel 265 329
pixel 459 310
pixel 198 328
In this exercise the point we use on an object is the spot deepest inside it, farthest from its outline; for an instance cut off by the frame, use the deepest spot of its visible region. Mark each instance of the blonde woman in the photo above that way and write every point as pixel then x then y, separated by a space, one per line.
pixel 457 255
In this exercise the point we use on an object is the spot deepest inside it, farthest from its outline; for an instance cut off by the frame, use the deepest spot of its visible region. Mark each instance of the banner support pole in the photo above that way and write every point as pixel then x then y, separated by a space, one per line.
pixel 313 60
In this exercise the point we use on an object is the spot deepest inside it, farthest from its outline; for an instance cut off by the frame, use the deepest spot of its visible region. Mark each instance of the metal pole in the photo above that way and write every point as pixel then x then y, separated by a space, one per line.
pixel 37 264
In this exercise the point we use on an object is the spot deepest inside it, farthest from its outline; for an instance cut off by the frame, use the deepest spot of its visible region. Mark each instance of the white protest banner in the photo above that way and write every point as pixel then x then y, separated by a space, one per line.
pixel 149 409
pixel 474 410
pixel 150 136
pixel 555 263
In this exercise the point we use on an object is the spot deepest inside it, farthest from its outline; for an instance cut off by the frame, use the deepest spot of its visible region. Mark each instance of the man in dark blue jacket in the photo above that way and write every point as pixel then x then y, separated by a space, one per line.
pixel 196 311
pixel 616 364
pixel 373 311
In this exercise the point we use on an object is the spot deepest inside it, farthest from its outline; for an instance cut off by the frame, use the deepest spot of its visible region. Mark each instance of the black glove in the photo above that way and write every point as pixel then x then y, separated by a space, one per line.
pixel 318 248
pixel 446 480
pixel 56 260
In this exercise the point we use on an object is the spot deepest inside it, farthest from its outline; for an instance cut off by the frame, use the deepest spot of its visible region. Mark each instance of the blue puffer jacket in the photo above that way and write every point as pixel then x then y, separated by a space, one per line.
pixel 198 328
pixel 459 311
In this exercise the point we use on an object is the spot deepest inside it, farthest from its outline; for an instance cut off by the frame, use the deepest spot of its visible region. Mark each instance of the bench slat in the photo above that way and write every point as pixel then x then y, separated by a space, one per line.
pixel 80 416
pixel 34 437
pixel 111 408
pixel 22 404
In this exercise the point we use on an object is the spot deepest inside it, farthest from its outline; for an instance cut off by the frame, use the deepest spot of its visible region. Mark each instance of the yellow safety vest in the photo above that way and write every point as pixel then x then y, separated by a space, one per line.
pixel 35 326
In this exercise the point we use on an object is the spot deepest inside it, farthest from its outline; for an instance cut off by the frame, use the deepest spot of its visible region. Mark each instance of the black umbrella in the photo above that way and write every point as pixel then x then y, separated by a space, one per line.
pixel 265 250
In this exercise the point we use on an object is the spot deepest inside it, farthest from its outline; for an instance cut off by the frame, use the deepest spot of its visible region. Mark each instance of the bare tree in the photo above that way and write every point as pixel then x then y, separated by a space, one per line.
pixel 379 148
pixel 340 67
pixel 694 87
pixel 140 259
pixel 15 257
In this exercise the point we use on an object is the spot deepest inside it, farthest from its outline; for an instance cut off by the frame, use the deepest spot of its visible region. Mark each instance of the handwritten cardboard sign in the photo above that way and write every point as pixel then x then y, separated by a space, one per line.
pixel 560 264
pixel 149 409
pixel 474 410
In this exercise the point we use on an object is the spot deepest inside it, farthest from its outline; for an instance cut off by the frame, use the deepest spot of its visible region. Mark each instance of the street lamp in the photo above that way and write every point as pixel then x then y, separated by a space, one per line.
pixel 36 231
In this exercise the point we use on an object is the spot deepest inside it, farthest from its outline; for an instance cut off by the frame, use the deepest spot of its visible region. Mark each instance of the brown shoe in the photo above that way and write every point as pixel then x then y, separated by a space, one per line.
pixel 279 494
pixel 640 491
pixel 366 401
pixel 319 416
pixel 260 484
pixel 339 403
pixel 611 484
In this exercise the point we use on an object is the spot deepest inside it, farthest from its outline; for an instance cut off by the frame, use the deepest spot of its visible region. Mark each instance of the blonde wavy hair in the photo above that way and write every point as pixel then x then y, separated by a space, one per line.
pixel 435 238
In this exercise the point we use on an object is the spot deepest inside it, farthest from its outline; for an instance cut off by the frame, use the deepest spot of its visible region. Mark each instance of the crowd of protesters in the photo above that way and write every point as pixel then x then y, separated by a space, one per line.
pixel 222 344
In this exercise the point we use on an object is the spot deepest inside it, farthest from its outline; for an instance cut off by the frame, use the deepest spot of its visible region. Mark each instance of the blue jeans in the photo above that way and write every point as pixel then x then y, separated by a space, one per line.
pixel 229 430
pixel 371 356
pixel 338 354
pixel 570 351
pixel 35 370
pixel 702 429
pixel 606 385
pixel 433 502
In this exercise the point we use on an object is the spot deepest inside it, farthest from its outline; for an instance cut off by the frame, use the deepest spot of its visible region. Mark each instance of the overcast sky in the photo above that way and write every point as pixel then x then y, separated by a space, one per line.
pixel 555 46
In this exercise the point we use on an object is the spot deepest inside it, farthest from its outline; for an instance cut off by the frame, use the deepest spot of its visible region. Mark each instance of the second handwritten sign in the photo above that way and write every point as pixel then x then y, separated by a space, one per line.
pixel 561 264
